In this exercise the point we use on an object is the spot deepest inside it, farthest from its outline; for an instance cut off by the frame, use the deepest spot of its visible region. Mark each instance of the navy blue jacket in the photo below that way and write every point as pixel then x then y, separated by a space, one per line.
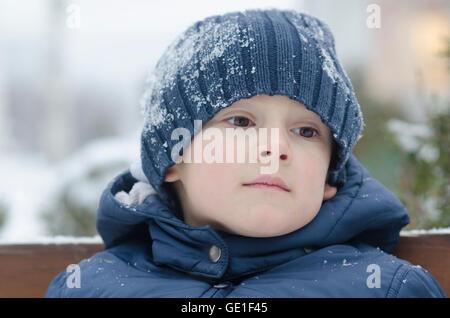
pixel 342 252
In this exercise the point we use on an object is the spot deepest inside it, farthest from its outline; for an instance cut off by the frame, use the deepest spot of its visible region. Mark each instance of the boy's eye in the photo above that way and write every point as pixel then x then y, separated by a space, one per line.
pixel 239 121
pixel 307 132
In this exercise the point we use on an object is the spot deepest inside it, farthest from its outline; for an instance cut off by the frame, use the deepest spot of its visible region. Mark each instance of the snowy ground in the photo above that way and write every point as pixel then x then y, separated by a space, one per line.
pixel 428 232
pixel 54 240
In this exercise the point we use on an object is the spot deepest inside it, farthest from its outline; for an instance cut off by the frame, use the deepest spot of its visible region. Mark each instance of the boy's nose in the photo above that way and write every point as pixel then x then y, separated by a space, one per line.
pixel 268 153
pixel 281 146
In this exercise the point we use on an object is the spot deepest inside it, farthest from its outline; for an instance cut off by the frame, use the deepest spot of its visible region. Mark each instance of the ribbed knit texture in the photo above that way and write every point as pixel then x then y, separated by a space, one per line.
pixel 222 59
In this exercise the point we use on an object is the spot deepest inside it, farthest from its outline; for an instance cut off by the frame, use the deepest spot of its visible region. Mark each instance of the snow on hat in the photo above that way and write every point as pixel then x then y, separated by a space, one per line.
pixel 224 58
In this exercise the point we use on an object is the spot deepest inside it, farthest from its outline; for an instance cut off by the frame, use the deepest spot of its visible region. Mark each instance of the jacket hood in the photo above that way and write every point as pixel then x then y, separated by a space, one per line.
pixel 363 210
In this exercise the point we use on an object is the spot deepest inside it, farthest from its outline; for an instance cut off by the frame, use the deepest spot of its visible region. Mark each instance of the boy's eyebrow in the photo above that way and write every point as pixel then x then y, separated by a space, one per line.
pixel 308 115
pixel 303 113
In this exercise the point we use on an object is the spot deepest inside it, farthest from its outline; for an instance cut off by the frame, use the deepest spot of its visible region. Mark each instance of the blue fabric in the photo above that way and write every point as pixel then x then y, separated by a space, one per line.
pixel 222 59
pixel 151 253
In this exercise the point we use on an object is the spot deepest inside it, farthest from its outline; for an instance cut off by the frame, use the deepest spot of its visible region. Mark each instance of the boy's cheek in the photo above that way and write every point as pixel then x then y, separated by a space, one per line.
pixel 312 163
pixel 210 178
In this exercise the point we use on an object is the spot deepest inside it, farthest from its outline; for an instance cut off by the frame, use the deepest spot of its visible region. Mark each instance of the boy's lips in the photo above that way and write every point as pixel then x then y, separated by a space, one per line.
pixel 274 183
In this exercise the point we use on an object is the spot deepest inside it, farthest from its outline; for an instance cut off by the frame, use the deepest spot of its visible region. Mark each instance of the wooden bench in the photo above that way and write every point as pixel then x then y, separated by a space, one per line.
pixel 27 270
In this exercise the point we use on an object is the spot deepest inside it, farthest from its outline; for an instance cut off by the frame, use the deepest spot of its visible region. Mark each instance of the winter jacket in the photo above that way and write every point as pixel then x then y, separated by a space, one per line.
pixel 342 252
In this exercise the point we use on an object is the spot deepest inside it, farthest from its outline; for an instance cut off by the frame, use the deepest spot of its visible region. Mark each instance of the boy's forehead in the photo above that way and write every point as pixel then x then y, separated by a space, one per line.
pixel 265 102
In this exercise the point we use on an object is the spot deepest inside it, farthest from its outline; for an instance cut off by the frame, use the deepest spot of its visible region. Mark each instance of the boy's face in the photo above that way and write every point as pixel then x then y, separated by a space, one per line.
pixel 219 194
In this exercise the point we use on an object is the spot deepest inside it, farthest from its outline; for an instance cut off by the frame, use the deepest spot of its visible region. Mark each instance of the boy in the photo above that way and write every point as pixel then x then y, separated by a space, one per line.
pixel 188 223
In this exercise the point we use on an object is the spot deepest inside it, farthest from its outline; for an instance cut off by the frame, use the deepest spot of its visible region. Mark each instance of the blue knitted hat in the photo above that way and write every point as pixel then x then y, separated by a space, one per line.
pixel 222 59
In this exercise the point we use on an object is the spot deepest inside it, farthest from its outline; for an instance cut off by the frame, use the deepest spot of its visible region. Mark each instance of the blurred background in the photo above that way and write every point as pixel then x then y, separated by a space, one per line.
pixel 72 72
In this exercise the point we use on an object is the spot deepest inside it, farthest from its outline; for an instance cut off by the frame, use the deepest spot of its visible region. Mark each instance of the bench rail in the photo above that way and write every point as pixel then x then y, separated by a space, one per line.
pixel 27 269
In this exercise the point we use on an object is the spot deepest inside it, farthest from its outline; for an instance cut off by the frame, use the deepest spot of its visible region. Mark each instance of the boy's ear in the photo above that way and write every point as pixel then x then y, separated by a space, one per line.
pixel 172 174
pixel 329 192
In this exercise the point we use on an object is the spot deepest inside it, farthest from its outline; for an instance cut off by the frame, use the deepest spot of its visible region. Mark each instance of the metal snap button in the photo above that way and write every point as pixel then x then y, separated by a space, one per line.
pixel 221 286
pixel 214 254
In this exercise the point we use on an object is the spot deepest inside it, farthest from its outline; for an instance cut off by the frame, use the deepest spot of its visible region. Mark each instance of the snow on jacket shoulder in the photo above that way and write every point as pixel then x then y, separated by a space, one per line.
pixel 342 252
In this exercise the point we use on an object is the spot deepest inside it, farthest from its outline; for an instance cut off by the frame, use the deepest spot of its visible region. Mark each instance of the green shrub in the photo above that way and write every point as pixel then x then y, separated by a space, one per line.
pixel 424 177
